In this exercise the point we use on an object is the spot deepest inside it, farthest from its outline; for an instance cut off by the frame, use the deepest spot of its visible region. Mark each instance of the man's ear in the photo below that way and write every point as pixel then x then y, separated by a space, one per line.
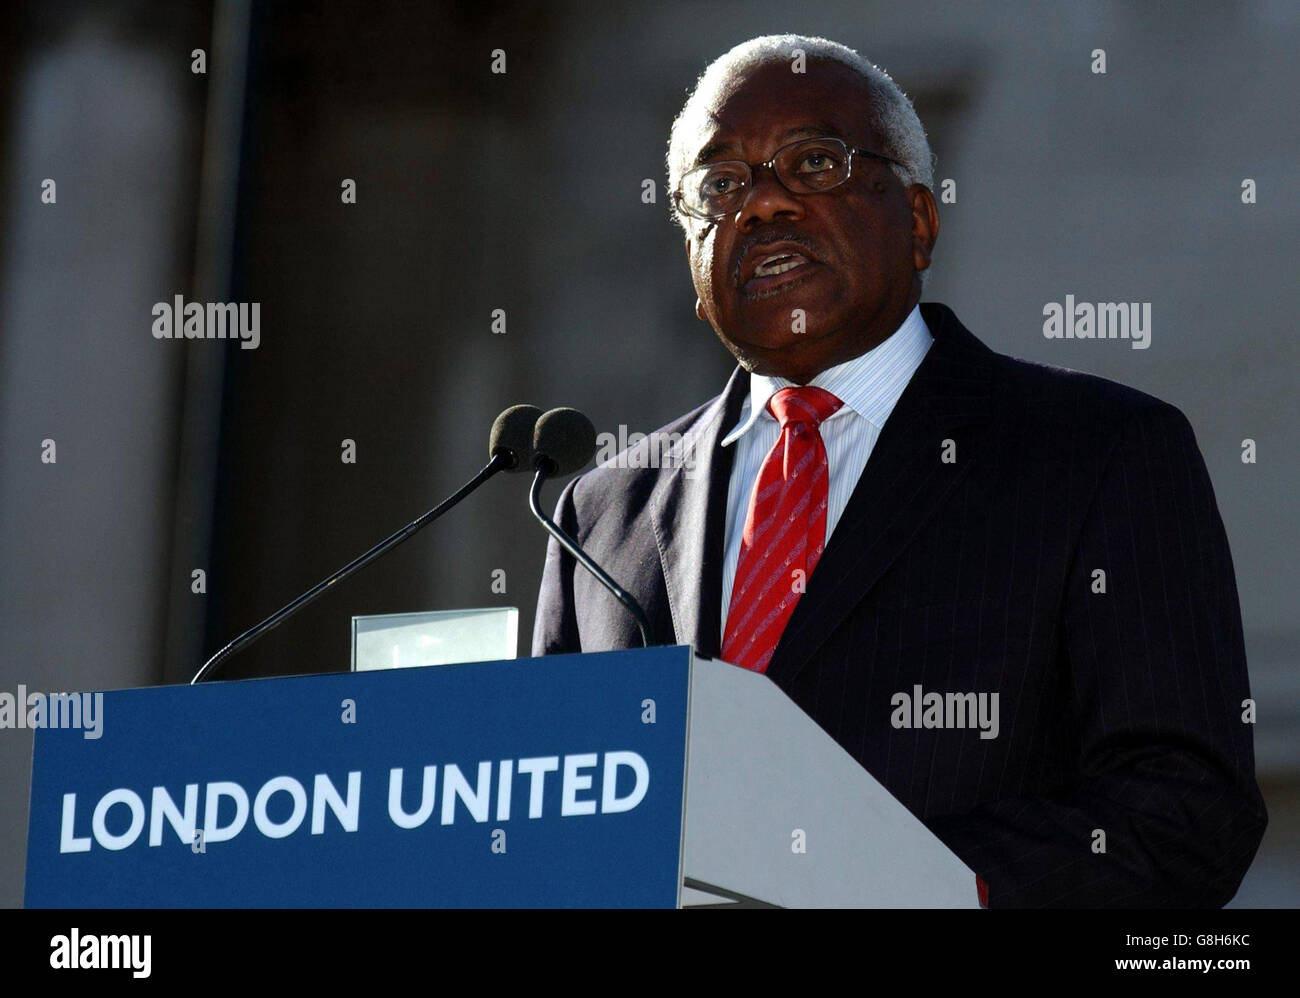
pixel 699 305
pixel 925 224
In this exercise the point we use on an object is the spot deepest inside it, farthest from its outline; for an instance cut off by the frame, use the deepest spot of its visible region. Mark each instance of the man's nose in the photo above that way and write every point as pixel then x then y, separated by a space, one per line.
pixel 767 199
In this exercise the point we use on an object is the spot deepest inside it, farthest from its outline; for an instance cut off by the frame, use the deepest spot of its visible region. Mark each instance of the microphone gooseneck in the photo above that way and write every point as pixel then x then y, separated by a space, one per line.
pixel 563 442
pixel 510 447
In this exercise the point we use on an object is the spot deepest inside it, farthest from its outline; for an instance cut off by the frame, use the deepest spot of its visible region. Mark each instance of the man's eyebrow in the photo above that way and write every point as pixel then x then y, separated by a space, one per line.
pixel 802 131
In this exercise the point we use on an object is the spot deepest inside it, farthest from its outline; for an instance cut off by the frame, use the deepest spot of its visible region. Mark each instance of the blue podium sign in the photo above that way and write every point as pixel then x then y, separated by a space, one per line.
pixel 535 782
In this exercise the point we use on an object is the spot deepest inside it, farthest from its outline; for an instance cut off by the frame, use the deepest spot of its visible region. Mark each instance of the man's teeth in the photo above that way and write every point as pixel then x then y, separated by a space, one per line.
pixel 778 265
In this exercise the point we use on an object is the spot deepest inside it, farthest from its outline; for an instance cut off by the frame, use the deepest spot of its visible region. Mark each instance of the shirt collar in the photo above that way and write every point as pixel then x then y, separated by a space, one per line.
pixel 869 384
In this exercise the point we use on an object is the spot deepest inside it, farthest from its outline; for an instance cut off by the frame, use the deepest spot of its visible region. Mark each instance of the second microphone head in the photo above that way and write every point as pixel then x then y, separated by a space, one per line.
pixel 563 441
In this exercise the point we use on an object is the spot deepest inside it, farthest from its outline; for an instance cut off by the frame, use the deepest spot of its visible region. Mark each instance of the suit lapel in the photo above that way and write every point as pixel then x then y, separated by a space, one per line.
pixel 689 512
pixel 903 483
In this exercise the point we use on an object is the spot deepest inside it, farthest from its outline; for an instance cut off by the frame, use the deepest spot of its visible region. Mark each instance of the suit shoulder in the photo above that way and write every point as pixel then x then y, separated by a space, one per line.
pixel 1074 398
pixel 629 464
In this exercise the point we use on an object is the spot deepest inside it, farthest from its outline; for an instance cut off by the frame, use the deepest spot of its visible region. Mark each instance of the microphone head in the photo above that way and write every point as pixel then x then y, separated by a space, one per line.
pixel 563 442
pixel 512 436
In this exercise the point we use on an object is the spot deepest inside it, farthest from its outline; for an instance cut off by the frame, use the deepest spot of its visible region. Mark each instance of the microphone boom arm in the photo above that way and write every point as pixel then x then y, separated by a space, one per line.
pixel 499 462
pixel 566 542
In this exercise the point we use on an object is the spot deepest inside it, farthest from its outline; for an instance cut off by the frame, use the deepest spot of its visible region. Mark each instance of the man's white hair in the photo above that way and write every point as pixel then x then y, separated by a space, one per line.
pixel 893 117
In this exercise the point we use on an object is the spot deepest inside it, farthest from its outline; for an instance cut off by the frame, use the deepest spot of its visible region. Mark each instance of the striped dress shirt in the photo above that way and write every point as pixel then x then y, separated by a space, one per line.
pixel 869 386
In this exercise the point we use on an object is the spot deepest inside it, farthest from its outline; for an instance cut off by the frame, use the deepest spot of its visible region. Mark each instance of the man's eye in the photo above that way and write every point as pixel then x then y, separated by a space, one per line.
pixel 719 185
pixel 816 162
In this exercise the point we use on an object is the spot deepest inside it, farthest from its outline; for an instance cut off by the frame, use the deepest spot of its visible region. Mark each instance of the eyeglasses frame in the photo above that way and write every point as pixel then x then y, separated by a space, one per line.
pixel 851 151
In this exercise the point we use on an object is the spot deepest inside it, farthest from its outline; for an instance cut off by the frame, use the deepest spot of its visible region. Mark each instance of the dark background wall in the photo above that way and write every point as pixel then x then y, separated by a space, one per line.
pixel 522 192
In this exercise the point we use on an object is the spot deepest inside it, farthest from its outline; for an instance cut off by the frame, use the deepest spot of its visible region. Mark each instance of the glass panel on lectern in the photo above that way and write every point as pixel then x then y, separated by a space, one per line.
pixel 435 637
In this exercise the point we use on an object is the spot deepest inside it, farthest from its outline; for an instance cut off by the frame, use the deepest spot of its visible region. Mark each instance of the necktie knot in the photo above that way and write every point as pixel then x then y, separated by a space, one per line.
pixel 802 404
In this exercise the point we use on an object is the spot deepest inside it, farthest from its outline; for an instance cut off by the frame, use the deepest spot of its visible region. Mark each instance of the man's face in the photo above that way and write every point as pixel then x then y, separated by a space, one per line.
pixel 858 247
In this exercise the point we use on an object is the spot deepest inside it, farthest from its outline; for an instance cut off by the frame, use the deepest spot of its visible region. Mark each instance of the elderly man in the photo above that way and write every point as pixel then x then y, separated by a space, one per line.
pixel 881 508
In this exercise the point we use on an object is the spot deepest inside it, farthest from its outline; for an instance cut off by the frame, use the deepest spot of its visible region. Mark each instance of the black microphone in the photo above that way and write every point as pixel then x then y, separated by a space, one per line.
pixel 510 448
pixel 563 442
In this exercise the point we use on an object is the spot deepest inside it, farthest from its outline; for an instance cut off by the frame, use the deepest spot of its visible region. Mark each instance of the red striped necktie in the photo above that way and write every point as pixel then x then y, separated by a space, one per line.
pixel 785 528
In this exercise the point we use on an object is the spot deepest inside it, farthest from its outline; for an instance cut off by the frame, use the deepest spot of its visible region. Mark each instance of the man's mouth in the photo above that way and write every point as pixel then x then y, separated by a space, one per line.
pixel 778 264
pixel 777 271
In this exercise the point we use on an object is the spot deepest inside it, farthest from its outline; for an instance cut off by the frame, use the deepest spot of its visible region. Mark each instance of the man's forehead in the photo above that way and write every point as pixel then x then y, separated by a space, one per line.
pixel 773 100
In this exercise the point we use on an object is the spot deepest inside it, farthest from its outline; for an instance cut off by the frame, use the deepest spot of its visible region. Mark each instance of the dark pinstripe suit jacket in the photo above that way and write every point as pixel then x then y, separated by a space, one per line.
pixel 1120 711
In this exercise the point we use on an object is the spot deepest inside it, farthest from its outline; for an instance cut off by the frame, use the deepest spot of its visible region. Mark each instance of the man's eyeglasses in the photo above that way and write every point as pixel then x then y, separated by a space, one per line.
pixel 809 166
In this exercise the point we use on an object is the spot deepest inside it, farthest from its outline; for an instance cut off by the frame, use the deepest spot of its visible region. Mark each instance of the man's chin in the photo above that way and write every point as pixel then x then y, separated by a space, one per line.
pixel 772 326
pixel 768 354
